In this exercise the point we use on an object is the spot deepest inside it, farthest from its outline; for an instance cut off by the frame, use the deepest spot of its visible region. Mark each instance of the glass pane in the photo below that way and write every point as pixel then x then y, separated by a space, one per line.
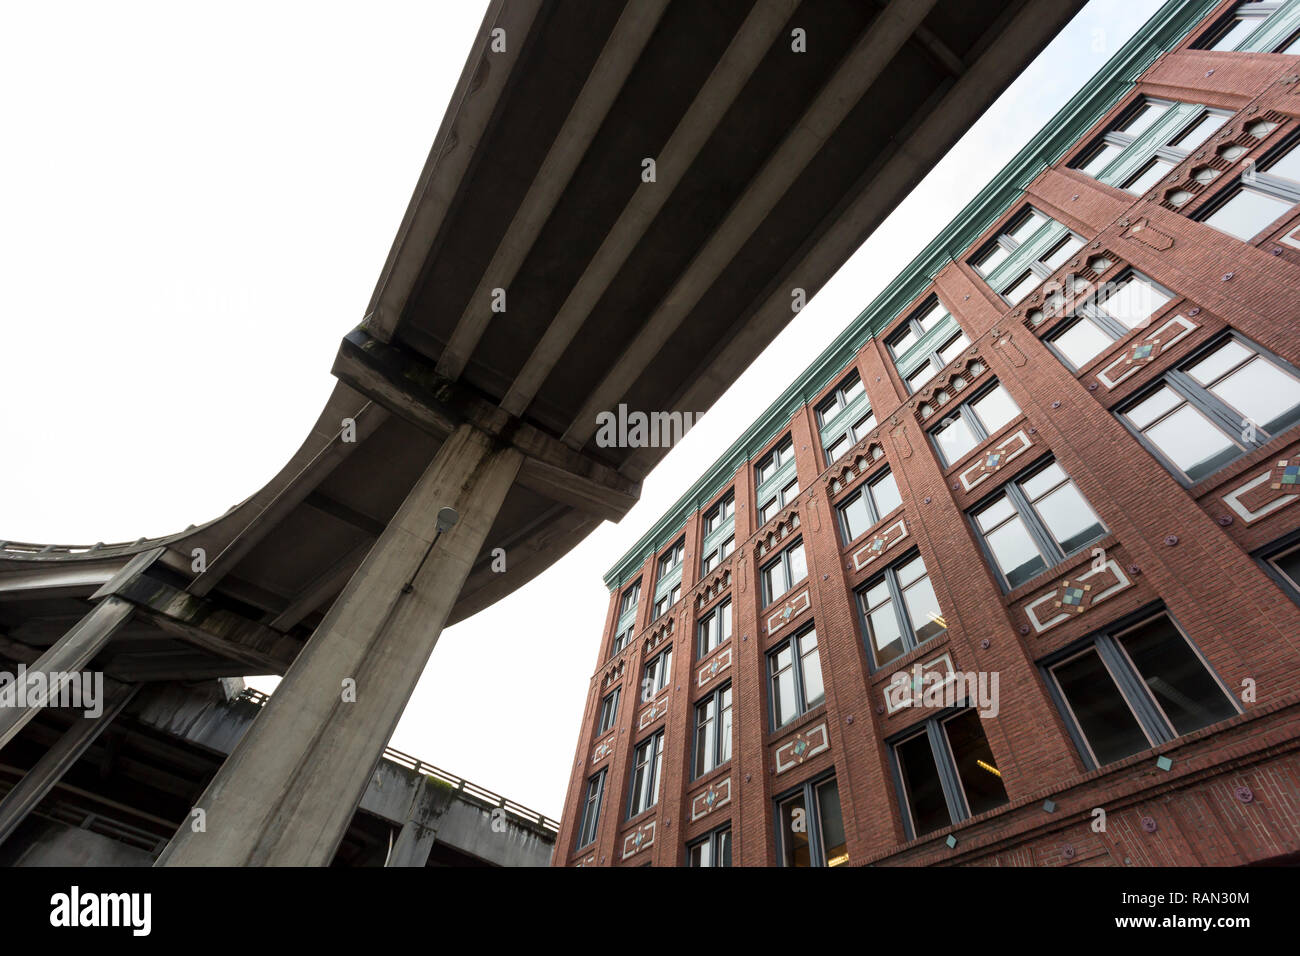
pixel 832 824
pixel 724 727
pixel 1148 176
pixel 1062 251
pixel 1262 393
pixel 1292 46
pixel 1222 360
pixel 913 570
pixel 856 517
pixel 993 257
pixel 953 348
pixel 954 439
pixel 1069 518
pixel 995 409
pixel 704 737
pixel 1247 214
pixel 1189 696
pixel 1026 225
pixel 863 425
pixel 903 340
pixel 1189 441
pixel 1289 565
pixel 1143 118
pixel 1153 406
pixel 884 491
pixel 1235 33
pixel 1043 480
pixel 1287 165
pixel 1099 709
pixel 996 513
pixel 936 314
pixel 884 636
pixel 1082 342
pixel 784 705
pixel 980 779
pixel 1015 552
pixel 700 854
pixel 1102 158
pixel 1135 300
pixel 921 784
pixel 798 565
pixel 923 609
pixel 921 376
pixel 794 833
pixel 1026 284
pixel 838 449
pixel 1199 131
pixel 813 689
pixel 724 848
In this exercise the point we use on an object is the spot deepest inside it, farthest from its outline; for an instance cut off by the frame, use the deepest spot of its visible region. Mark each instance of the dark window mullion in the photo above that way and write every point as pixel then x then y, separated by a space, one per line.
pixel 1135 691
pixel 1049 550
pixel 900 612
pixel 943 763
pixel 1116 330
pixel 1206 402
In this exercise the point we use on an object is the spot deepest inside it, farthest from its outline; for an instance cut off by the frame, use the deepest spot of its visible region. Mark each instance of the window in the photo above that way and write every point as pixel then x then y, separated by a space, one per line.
pixel 591 810
pixel 656 675
pixel 946 773
pixel 899 611
pixel 930 316
pixel 773 461
pixel 1117 309
pixel 713 731
pixel 1284 565
pixel 838 435
pixel 868 505
pixel 811 827
pixel 1034 522
pixel 647 762
pixel 719 513
pixel 973 422
pixel 1215 408
pixel 1147 141
pixel 667 600
pixel 627 616
pixel 785 572
pixel 1039 251
pixel 712 850
pixel 715 628
pixel 608 711
pixel 718 519
pixel 776 481
pixel 1244 29
pixel 1259 198
pixel 670 559
pixel 1135 688
pixel 795 678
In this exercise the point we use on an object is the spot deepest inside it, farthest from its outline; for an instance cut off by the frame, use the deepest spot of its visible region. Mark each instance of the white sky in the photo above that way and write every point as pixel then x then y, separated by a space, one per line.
pixel 195 203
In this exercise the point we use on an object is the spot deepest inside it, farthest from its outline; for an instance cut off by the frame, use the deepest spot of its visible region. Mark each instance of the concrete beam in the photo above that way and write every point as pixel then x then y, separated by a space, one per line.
pixel 72 652
pixel 286 794
pixel 875 49
pixel 411 388
pixel 752 41
pixel 54 763
pixel 482 81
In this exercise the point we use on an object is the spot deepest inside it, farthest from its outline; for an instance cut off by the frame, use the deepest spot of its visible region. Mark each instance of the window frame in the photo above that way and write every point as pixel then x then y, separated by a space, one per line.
pixel 662 662
pixel 801 695
pixel 1008 243
pixel 1039 533
pixel 782 558
pixel 904 617
pixel 713 613
pixel 972 421
pixel 945 762
pixel 1093 309
pixel 1220 415
pixel 912 325
pixel 873 509
pixel 712 839
pixel 611 699
pixel 1257 180
pixel 1114 136
pixel 714 697
pixel 1155 726
pixel 813 814
pixel 596 780
pixel 655 764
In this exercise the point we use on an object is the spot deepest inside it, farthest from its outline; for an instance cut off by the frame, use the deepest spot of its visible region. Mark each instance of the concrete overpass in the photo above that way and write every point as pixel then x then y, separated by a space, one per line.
pixel 620 207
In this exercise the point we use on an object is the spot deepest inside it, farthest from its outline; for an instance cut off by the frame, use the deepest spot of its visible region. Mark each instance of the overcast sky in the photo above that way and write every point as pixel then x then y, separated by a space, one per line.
pixel 195 203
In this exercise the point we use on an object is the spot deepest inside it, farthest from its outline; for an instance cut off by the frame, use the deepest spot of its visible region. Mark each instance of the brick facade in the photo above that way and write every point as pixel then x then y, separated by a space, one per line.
pixel 1232 792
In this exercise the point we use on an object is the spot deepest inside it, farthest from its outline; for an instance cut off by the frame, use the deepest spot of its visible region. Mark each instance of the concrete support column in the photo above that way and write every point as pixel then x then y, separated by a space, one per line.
pixel 286 794
pixel 49 770
pixel 72 652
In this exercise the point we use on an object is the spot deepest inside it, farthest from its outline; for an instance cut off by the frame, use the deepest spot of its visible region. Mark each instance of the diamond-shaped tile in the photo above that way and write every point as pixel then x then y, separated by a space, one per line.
pixel 1164 763
pixel 1142 351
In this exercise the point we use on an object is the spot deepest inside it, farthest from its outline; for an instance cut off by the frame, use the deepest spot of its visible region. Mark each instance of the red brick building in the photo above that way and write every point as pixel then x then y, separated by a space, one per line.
pixel 1048 476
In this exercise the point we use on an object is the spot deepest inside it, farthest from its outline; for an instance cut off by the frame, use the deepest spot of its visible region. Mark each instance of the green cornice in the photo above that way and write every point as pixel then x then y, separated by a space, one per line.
pixel 1166 28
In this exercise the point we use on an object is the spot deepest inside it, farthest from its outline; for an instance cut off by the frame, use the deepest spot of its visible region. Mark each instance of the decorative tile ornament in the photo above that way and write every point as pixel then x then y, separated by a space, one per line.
pixel 717 794
pixel 1266 492
pixel 788 611
pixel 1005 451
pixel 653 712
pixel 1146 350
pixel 720 662
pixel 908 687
pixel 639 839
pixel 879 543
pixel 802 746
pixel 1073 595
pixel 602 750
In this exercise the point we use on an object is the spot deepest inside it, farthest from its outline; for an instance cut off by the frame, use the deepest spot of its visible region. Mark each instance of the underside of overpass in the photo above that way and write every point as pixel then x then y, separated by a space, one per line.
pixel 618 209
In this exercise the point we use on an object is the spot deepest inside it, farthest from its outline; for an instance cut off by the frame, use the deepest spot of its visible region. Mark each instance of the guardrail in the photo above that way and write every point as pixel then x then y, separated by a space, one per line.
pixel 459 784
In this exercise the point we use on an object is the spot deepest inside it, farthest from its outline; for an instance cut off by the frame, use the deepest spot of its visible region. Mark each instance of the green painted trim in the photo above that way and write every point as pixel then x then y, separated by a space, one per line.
pixel 1166 28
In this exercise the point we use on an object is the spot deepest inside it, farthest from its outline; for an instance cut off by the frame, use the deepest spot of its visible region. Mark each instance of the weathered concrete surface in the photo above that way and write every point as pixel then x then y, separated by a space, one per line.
pixel 58 844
